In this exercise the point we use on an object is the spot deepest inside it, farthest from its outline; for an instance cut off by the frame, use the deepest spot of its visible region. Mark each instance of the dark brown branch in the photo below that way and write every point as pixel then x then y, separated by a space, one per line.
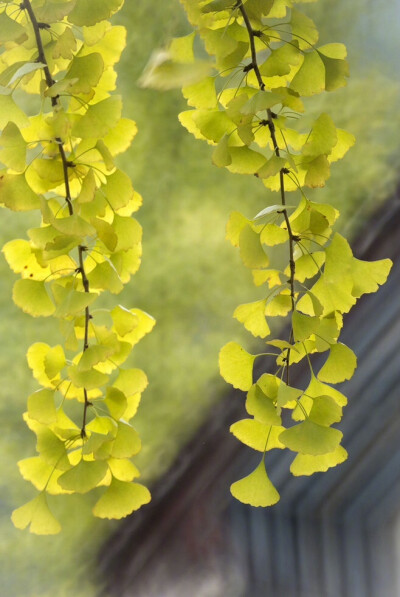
pixel 55 102
pixel 254 64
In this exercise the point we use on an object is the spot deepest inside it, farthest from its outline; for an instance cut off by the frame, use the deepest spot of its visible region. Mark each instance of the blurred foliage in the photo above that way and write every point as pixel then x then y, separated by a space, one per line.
pixel 190 278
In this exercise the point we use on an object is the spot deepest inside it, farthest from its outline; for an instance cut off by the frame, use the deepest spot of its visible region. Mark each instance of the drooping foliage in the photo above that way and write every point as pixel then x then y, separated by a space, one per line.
pixel 59 159
pixel 247 101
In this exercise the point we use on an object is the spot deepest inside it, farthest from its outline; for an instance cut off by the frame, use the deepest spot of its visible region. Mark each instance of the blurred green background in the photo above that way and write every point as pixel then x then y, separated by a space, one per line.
pixel 191 279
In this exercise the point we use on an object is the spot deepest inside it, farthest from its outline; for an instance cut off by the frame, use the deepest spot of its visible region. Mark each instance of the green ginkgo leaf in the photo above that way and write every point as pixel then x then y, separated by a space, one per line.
pixel 126 443
pixel 54 361
pixel 272 235
pixel 89 12
pixel 87 70
pixel 310 79
pixel 245 160
pixel 287 394
pixel 261 407
pixel 105 277
pixel 13 152
pixel 124 321
pixel 123 470
pixel 99 118
pixel 32 297
pixel 89 380
pixel 10 30
pixel 306 464
pixel 201 94
pixel 41 407
pixel 71 302
pixel 94 355
pixel 251 250
pixel 258 436
pixel 131 381
pixel 252 315
pixel 256 489
pixel 15 193
pixel 303 326
pixel 41 475
pixel 121 499
pixel 221 156
pixel 340 364
pixel 310 438
pixel 325 411
pixel 236 366
pixel 323 137
pixel 116 402
pixel 83 477
pixel 37 515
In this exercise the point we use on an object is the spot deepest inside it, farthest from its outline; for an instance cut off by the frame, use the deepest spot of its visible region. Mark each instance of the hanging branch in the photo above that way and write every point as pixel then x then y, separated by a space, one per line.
pixel 57 277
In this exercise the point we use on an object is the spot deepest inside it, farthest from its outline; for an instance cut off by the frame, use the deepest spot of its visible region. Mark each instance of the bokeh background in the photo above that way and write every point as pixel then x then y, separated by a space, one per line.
pixel 191 279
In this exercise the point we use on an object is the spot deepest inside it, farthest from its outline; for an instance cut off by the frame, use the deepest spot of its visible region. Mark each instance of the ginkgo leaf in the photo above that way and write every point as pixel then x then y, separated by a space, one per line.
pixel 221 156
pixel 272 235
pixel 41 475
pixel 252 315
pixel 83 477
pixel 162 72
pixel 121 499
pixel 311 438
pixel 145 324
pixel 323 137
pixel 41 407
pixel 116 402
pixel 13 152
pixel 124 320
pixel 306 464
pixel 32 297
pixel 131 381
pixel 257 435
pixel 105 277
pixel 71 302
pixel 234 227
pixel 15 193
pixel 325 411
pixel 37 515
pixel 261 407
pixel 126 443
pixel 340 364
pixel 201 94
pixel 256 489
pixel 251 250
pixel 99 118
pixel 236 366
pixel 94 355
pixel 87 71
pixel 90 12
pixel 303 326
pixel 54 361
pixel 287 394
pixel 310 78
pixel 123 470
pixel 10 30
pixel 87 379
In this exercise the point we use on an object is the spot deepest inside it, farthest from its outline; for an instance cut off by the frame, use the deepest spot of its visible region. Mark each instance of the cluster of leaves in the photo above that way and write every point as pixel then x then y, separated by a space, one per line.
pixel 60 161
pixel 266 60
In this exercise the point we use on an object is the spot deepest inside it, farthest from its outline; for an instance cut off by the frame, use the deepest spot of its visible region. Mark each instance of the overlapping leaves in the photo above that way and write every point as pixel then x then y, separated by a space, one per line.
pixel 267 59
pixel 60 162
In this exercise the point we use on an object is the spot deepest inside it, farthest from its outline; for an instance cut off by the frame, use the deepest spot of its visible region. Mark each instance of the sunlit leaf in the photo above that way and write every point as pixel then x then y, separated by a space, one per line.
pixel 256 489
pixel 121 499
pixel 236 366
